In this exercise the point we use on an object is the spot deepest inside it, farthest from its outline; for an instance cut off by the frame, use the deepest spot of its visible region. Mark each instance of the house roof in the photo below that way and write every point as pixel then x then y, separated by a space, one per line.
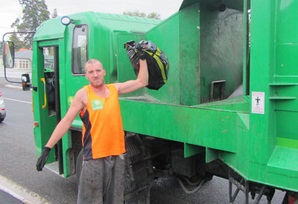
pixel 24 54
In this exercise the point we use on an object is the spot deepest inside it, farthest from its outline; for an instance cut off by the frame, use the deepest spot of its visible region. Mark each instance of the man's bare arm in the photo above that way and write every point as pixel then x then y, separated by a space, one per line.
pixel 65 123
pixel 140 82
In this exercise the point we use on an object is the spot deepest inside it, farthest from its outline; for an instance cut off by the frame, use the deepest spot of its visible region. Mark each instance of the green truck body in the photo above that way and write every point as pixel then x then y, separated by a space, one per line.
pixel 229 107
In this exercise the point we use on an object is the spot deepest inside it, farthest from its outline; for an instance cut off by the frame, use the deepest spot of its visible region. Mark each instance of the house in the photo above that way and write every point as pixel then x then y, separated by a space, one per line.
pixel 22 64
pixel 23 59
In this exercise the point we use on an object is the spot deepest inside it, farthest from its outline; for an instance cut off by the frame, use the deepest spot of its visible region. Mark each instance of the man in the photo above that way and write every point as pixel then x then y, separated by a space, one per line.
pixel 102 176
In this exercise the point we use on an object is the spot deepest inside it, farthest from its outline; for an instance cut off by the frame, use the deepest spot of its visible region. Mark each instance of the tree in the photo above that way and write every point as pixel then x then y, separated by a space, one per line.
pixel 54 14
pixel 34 13
pixel 142 14
pixel 153 15
pixel 17 42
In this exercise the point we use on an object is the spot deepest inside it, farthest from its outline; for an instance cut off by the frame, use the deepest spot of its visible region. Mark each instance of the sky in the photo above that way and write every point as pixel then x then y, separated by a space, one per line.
pixel 11 9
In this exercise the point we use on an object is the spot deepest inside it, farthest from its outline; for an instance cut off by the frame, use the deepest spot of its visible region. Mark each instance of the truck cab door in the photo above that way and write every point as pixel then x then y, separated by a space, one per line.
pixel 46 101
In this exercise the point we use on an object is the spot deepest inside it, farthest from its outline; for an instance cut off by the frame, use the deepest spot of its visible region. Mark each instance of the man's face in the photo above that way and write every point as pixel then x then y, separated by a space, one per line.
pixel 95 74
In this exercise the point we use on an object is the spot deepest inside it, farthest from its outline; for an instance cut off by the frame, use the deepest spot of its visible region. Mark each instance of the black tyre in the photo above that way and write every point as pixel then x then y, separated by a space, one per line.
pixel 138 171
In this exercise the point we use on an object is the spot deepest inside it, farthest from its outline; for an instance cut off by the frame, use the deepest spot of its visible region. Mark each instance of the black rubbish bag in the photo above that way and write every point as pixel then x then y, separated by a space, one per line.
pixel 157 61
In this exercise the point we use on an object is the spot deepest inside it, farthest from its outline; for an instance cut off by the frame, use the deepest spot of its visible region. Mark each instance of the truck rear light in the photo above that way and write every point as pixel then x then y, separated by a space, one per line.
pixel 292 200
pixel 36 124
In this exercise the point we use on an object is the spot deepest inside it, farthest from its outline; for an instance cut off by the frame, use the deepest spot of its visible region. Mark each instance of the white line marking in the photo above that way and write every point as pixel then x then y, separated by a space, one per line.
pixel 17 191
pixel 13 86
pixel 11 99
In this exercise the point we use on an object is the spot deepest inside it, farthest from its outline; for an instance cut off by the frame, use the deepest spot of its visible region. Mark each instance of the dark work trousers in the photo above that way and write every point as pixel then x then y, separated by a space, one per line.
pixel 102 181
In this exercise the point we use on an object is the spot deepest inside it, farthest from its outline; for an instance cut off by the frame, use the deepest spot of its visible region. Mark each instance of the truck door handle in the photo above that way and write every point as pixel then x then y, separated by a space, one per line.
pixel 44 93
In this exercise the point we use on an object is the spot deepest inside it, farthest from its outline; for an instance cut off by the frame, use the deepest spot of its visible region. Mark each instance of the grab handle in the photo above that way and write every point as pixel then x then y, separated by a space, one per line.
pixel 44 93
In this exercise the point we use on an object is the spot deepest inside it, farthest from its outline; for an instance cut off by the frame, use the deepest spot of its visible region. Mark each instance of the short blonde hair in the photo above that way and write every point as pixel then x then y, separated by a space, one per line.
pixel 92 61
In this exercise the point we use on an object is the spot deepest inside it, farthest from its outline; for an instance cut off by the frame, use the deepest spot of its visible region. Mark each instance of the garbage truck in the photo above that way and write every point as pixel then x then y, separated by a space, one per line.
pixel 229 107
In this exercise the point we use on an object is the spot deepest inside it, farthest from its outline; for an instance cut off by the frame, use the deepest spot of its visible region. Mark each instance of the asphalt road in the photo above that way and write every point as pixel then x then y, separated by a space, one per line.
pixel 6 197
pixel 20 178
pixel 18 157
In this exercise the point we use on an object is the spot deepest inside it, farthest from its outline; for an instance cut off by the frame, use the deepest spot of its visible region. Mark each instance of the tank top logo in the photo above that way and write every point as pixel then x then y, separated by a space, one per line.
pixel 96 104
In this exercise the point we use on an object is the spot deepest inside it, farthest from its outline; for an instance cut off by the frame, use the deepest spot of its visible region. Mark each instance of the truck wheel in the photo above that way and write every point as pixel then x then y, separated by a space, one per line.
pixel 138 171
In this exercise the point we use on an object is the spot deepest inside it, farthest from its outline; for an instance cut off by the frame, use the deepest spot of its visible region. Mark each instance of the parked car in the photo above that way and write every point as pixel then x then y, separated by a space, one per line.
pixel 2 108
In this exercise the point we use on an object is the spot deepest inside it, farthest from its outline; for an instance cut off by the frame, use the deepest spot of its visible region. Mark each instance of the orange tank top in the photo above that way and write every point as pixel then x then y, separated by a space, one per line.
pixel 102 132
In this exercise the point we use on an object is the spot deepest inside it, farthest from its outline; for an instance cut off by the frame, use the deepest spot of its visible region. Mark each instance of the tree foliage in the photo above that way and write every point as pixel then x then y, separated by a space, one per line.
pixel 142 14
pixel 17 42
pixel 154 15
pixel 34 13
pixel 54 14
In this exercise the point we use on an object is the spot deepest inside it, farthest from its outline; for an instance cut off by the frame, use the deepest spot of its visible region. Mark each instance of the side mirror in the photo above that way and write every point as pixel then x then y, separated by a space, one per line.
pixel 26 82
pixel 8 54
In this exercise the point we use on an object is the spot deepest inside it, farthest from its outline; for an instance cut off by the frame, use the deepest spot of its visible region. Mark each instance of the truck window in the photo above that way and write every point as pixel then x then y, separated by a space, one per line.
pixel 79 49
pixel 50 69
pixel 48 53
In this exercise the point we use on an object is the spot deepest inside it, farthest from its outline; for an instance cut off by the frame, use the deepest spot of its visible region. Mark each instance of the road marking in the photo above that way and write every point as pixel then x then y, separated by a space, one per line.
pixel 13 86
pixel 11 99
pixel 17 191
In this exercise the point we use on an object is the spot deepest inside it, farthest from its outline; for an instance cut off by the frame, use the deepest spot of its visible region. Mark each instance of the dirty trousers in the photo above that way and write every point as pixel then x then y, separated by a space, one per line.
pixel 102 181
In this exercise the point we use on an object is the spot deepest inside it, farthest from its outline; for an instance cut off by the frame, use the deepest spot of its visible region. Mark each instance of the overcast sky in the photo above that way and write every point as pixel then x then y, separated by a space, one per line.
pixel 11 9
